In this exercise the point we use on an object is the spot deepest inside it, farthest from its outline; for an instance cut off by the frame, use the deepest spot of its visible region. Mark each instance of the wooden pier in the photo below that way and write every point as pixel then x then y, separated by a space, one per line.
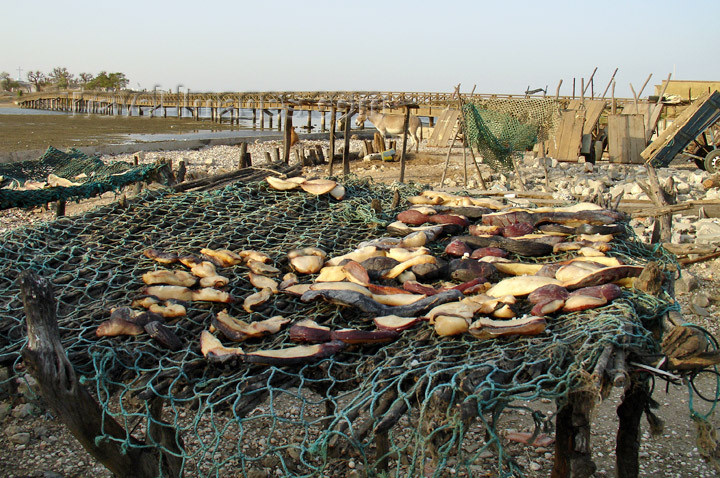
pixel 227 107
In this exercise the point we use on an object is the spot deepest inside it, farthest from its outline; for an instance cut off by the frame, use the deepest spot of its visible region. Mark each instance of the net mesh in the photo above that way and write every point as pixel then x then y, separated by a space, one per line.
pixel 421 404
pixel 502 127
pixel 92 176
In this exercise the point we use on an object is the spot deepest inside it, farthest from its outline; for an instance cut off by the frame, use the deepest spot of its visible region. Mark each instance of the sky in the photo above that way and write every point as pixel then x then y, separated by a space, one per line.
pixel 500 47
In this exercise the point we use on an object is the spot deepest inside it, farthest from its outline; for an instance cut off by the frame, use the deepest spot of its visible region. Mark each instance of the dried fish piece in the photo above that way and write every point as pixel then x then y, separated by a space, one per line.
pixel 262 268
pixel 169 309
pixel 216 281
pixel 281 184
pixel 239 330
pixel 355 336
pixel 521 285
pixel 298 354
pixel 116 326
pixel 263 282
pixel 164 335
pixel 160 256
pixel 485 328
pixel 225 257
pixel 448 325
pixel 208 294
pixel 169 277
pixel 307 264
pixel 256 299
pixel 309 331
pixel 318 186
pixel 393 322
pixel 211 347
pixel 165 292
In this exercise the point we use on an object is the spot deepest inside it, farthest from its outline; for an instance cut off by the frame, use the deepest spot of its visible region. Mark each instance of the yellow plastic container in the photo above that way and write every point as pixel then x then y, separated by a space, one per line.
pixel 388 155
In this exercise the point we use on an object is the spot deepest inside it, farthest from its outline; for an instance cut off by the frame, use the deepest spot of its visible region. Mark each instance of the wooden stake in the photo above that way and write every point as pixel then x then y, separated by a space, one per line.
pixel 406 121
pixel 331 148
pixel 288 133
pixel 609 83
pixel 557 90
pixel 346 149
pixel 447 159
pixel 62 391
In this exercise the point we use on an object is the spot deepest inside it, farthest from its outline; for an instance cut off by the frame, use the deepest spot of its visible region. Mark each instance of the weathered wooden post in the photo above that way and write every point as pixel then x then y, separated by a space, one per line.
pixel 406 121
pixel 331 147
pixel 61 389
pixel 346 150
pixel 322 121
pixel 288 133
pixel 245 159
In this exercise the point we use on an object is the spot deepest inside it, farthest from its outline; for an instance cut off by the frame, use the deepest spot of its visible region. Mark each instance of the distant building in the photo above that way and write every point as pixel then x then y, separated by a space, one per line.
pixel 687 89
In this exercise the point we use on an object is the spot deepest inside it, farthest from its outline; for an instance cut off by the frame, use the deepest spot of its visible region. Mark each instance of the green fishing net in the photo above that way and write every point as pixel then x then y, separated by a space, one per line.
pixel 91 175
pixel 422 404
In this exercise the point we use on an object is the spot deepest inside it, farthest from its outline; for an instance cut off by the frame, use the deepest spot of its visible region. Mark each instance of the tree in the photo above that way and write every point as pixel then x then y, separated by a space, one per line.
pixel 61 77
pixel 7 83
pixel 116 81
pixel 37 78
pixel 85 78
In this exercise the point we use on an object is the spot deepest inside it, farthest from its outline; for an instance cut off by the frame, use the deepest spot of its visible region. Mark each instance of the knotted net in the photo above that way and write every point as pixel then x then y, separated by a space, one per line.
pixel 91 175
pixel 421 404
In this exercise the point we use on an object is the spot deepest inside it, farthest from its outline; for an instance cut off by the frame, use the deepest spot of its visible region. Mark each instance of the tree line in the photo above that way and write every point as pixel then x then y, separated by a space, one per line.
pixel 60 77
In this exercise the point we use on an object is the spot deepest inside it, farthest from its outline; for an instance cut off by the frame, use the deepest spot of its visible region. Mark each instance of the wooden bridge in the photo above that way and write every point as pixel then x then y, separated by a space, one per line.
pixel 226 107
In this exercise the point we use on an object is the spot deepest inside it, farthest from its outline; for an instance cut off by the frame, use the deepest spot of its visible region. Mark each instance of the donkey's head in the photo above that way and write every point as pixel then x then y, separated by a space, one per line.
pixel 361 117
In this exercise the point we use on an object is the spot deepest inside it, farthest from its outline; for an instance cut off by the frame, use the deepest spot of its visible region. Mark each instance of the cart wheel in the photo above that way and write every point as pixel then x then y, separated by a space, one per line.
pixel 712 161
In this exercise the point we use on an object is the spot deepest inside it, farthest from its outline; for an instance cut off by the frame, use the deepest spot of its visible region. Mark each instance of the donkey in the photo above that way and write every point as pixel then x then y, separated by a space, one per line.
pixel 391 124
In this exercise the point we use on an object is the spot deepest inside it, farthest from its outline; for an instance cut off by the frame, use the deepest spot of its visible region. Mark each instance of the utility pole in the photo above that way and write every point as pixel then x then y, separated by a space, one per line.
pixel 19 70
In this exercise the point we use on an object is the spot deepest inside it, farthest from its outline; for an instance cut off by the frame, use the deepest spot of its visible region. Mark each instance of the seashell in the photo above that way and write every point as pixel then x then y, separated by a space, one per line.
pixel 281 184
pixel 307 264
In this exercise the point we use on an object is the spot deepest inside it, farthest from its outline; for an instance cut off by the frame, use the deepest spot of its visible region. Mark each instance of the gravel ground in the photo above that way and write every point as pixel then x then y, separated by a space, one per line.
pixel 37 444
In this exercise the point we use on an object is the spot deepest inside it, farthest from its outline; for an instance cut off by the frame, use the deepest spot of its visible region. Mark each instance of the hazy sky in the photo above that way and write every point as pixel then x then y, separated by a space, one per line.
pixel 500 46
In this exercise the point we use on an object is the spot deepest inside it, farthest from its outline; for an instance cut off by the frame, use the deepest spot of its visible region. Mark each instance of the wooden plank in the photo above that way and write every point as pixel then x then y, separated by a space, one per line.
pixel 626 138
pixel 567 142
pixel 445 126
pixel 593 110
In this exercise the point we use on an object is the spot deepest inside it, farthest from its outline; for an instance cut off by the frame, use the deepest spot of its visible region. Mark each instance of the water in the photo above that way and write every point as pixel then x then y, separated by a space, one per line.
pixel 23 111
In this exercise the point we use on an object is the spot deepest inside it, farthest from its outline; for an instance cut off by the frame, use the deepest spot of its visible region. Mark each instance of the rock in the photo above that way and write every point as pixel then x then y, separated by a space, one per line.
pixel 682 187
pixel 12 430
pixel 686 283
pixel 20 438
pixel 5 409
pixel 24 410
pixel 534 466
pixel 701 311
pixel 708 231
pixel 635 189
pixel 588 167
pixel 28 387
pixel 701 299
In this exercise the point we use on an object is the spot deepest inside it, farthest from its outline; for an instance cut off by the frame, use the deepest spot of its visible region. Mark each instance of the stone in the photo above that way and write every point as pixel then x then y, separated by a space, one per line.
pixel 588 167
pixel 20 438
pixel 708 231
pixel 682 187
pixel 24 410
pixel 5 409
pixel 686 283
pixel 534 466
pixel 12 430
pixel 701 299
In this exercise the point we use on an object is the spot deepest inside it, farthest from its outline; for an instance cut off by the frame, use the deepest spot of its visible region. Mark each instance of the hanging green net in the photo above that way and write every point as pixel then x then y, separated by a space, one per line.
pixel 497 136
pixel 420 405
pixel 91 175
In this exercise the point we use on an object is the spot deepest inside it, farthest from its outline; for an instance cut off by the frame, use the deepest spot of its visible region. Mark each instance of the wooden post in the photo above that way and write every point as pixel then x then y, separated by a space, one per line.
pixel 447 159
pixel 609 83
pixel 60 208
pixel 572 437
pixel 573 90
pixel 331 148
pixel 322 121
pixel 309 121
pixel 70 401
pixel 627 445
pixel 262 118
pixel 243 160
pixel 346 150
pixel 613 103
pixel 406 121
pixel 254 117
pixel 288 133
pixel 279 116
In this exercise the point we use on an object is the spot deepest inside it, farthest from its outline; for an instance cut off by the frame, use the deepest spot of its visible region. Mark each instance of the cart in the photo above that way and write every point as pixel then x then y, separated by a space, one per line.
pixel 694 134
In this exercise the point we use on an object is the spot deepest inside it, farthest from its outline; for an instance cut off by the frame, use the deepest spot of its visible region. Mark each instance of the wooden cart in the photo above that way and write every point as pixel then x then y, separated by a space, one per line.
pixel 694 128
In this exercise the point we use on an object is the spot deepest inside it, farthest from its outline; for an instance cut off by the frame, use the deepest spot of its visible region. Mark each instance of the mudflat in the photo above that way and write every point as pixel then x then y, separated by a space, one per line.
pixel 30 132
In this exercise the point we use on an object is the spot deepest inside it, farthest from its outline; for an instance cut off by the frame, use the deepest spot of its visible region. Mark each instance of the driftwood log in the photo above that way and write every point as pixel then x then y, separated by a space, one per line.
pixel 72 403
